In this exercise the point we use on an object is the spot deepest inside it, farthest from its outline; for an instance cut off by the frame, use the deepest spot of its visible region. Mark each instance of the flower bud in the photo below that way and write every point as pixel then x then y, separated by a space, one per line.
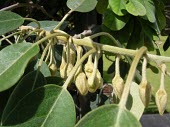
pixel 69 68
pixel 118 85
pixel 99 79
pixel 72 56
pixel 161 98
pixel 53 69
pixel 63 63
pixel 81 83
pixel 88 68
pixel 145 92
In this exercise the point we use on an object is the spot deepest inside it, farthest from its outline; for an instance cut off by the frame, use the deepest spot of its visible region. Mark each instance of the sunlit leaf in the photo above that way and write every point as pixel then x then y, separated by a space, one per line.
pixel 82 5
pixel 150 9
pixel 135 8
pixel 118 7
pixel 9 21
pixel 13 61
pixel 47 106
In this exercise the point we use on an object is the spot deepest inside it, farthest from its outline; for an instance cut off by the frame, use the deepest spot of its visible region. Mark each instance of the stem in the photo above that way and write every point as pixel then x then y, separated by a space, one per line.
pixel 117 50
pixel 130 76
pixel 4 38
pixel 117 65
pixel 163 69
pixel 48 54
pixel 33 20
pixel 7 40
pixel 44 53
pixel 94 69
pixel 68 57
pixel 144 65
pixel 117 43
pixel 71 75
pixel 64 18
pixel 35 30
pixel 50 36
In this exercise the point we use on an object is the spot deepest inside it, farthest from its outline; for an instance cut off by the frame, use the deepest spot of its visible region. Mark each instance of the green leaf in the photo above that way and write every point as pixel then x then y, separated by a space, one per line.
pixel 101 6
pixel 135 8
pixel 122 35
pixel 113 21
pixel 118 7
pixel 48 25
pixel 81 5
pixel 44 69
pixel 150 9
pixel 47 106
pixel 27 84
pixel 13 61
pixel 148 28
pixel 9 21
pixel 134 103
pixel 109 116
pixel 55 80
pixel 160 17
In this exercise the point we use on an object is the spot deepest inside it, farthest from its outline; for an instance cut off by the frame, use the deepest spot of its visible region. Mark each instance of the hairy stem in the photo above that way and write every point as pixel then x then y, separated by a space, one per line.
pixel 117 50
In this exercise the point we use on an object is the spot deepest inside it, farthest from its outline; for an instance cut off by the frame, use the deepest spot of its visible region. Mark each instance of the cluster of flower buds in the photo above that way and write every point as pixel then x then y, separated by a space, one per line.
pixel 87 79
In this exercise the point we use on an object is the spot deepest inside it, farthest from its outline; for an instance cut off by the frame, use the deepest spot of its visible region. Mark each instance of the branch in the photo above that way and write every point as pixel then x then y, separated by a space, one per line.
pixel 87 41
pixel 17 5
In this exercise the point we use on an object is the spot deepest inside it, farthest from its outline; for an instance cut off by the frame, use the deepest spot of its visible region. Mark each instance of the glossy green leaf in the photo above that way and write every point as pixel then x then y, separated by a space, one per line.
pixel 101 6
pixel 118 7
pixel 47 106
pixel 48 25
pixel 27 84
pixel 113 21
pixel 109 116
pixel 13 61
pixel 134 103
pixel 81 5
pixel 135 8
pixel 9 21
pixel 150 9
